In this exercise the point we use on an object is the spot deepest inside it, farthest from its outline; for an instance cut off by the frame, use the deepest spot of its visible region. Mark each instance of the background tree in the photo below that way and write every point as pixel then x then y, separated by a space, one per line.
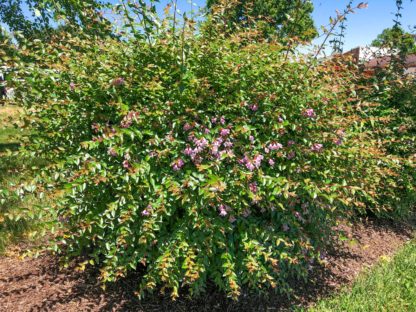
pixel 37 18
pixel 396 38
pixel 284 18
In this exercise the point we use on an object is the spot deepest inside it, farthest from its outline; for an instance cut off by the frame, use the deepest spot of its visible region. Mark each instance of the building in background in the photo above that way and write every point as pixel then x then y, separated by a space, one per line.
pixel 374 57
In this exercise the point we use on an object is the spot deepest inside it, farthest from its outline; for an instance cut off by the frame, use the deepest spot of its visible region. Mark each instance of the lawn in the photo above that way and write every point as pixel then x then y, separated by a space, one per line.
pixel 20 218
pixel 8 133
pixel 389 286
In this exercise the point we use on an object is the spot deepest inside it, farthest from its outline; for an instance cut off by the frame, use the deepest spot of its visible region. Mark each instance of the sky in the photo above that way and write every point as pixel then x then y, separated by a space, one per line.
pixel 366 24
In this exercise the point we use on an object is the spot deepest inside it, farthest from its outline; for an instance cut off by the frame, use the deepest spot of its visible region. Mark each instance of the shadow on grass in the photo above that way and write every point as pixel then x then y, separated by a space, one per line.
pixel 9 146
pixel 69 287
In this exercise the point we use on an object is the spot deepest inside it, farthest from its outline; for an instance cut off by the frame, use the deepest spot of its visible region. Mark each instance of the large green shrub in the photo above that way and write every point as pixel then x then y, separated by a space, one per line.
pixel 198 157
pixel 390 120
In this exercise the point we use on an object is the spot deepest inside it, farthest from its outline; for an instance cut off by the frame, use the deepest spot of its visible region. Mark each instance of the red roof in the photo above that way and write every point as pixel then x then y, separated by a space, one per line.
pixel 385 60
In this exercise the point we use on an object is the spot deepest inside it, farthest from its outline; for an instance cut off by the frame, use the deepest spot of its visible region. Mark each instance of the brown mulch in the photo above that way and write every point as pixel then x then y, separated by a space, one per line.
pixel 39 284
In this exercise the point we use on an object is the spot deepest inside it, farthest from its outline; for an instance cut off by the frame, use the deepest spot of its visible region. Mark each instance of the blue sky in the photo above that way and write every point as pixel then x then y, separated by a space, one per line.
pixel 366 24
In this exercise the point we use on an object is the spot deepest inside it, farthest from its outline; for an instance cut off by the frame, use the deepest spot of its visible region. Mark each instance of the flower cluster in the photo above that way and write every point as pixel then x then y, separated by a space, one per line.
pixel 317 147
pixel 309 112
pixel 178 164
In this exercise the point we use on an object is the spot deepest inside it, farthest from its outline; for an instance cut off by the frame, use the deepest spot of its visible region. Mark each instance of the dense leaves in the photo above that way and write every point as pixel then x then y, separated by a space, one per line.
pixel 199 157
pixel 396 38
pixel 286 19
pixel 39 18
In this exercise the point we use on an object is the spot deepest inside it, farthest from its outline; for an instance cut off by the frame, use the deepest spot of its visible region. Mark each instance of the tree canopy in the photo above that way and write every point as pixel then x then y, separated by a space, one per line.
pixel 396 38
pixel 284 18
pixel 35 18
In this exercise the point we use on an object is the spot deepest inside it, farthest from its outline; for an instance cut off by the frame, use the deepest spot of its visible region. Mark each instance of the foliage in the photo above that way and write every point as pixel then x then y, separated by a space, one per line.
pixel 287 19
pixel 390 286
pixel 198 155
pixel 396 38
pixel 43 15
pixel 391 119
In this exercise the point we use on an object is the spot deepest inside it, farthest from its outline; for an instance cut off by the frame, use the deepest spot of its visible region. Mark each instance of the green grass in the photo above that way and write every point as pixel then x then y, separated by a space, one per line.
pixel 20 217
pixel 390 287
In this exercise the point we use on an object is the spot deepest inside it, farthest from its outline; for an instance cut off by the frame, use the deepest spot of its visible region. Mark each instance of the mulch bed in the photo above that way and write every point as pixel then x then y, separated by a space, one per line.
pixel 39 284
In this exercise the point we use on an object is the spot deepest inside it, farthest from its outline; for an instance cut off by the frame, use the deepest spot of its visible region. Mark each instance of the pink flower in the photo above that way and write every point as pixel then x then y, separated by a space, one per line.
pixel 118 82
pixel 126 164
pixel 266 150
pixel 222 120
pixel 223 210
pixel 257 160
pixel 285 227
pixel 177 165
pixel 206 131
pixel 250 166
pixel 280 119
pixel 271 162
pixel 187 127
pixel 214 151
pixel 299 216
pixel 247 162
pixel 225 132
pixel 72 86
pixel 216 145
pixel 251 138
pixel 201 142
pixel 223 213
pixel 275 146
pixel 253 187
pixel 316 147
pixel 228 144
pixel 337 141
pixel 189 151
pixel 254 107
pixel 309 112
pixel 146 212
pixel 291 155
pixel 232 219
pixel 214 120
pixel 291 143
pixel 244 160
pixel 112 152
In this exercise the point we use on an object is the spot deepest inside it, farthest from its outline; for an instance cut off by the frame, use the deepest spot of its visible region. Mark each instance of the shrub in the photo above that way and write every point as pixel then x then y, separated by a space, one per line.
pixel 390 120
pixel 211 158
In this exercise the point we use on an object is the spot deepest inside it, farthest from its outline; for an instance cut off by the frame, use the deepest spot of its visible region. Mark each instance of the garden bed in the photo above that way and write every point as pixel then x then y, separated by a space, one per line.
pixel 39 284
